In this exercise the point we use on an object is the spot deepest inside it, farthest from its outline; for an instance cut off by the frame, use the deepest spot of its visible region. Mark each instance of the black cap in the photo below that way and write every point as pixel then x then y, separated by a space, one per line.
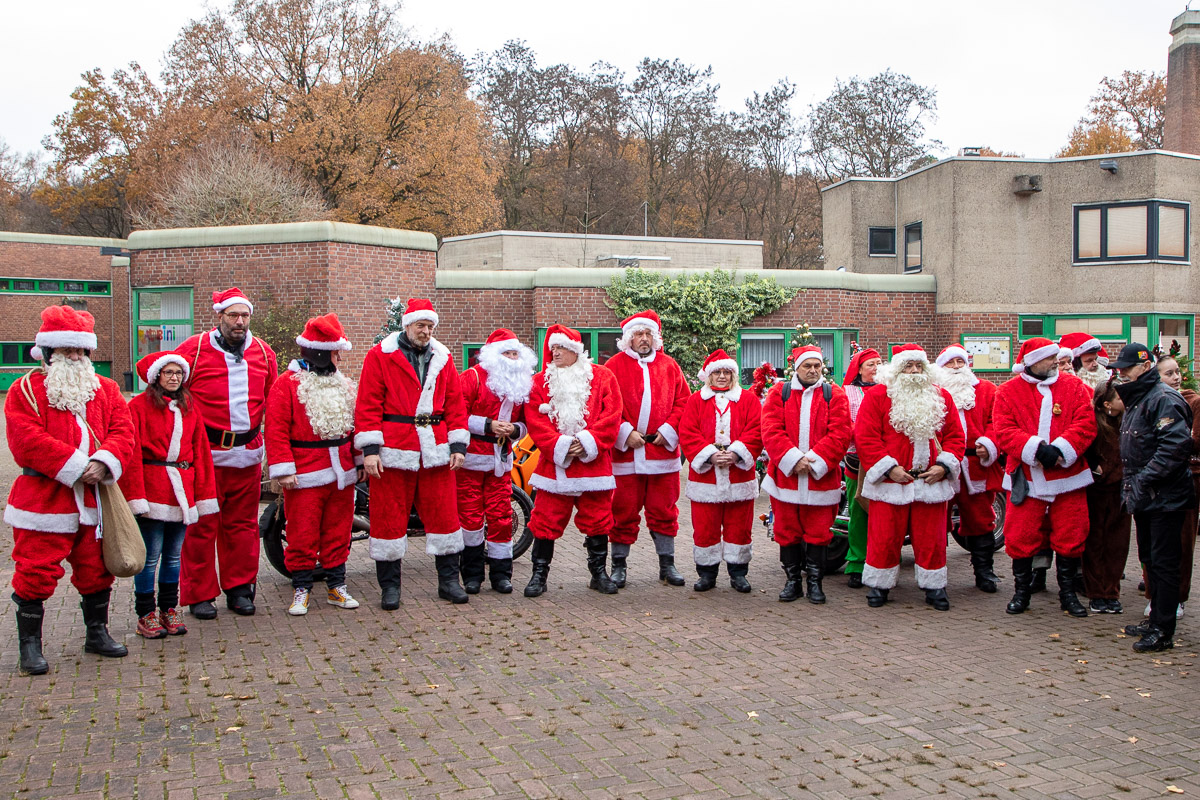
pixel 1131 354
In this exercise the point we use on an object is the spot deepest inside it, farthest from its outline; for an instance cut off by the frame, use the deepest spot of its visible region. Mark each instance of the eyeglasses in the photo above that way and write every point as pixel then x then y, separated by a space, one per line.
pixel 238 316
pixel 175 373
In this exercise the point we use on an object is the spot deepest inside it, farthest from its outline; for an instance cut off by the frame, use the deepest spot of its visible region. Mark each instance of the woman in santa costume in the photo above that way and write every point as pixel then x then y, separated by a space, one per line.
pixel 231 372
pixel 494 391
pixel 573 415
pixel 654 392
pixel 412 429
pixel 981 471
pixel 860 376
pixel 806 430
pixel 1043 420
pixel 69 430
pixel 310 424
pixel 911 444
pixel 170 484
pixel 721 439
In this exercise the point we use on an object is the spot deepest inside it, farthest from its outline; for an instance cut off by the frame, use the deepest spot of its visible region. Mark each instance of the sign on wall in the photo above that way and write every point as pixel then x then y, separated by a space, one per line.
pixel 990 352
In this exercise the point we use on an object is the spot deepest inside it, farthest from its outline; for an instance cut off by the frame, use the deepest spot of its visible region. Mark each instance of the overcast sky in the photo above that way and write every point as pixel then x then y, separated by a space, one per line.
pixel 1014 76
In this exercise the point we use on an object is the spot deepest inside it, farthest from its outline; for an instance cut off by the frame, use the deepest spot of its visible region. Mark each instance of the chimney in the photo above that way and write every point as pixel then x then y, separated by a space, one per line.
pixel 1181 127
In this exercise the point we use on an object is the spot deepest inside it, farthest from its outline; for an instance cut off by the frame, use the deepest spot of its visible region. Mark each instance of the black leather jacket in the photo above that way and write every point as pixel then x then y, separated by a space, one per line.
pixel 1156 444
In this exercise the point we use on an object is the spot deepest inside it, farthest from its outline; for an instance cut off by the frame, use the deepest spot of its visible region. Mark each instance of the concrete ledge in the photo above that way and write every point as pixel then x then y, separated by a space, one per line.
pixel 601 278
pixel 285 233
pixel 484 279
pixel 601 237
pixel 70 241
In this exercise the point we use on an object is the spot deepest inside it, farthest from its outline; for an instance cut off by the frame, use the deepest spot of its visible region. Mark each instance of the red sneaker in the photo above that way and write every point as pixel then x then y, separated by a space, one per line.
pixel 149 627
pixel 172 620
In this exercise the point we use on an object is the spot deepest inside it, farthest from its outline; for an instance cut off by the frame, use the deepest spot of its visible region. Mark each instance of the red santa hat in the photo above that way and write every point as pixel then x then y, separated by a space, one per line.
pixel 502 340
pixel 63 326
pixel 561 336
pixel 953 351
pixel 230 297
pixel 1034 350
pixel 149 366
pixel 903 353
pixel 1102 357
pixel 1079 343
pixel 324 333
pixel 643 319
pixel 805 353
pixel 717 359
pixel 855 365
pixel 419 309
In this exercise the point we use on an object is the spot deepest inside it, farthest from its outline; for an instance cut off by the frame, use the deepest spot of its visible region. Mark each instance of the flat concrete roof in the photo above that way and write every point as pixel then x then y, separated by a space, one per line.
pixel 69 241
pixel 602 278
pixel 283 233
pixel 598 236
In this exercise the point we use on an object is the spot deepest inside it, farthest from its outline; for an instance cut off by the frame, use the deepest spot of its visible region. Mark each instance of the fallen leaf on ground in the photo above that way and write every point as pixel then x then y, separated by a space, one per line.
pixel 1143 694
pixel 1028 672
pixel 998 764
pixel 1173 789
pixel 1054 636
pixel 1131 739
pixel 433 686
pixel 1106 697
pixel 1081 660
pixel 751 714
pixel 234 728
pixel 928 747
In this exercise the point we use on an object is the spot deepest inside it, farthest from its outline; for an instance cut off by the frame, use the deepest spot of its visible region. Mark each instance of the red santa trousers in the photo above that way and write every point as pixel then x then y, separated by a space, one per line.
pixel 228 538
pixel 1024 536
pixel 795 523
pixel 39 556
pixel 484 496
pixel 729 523
pixel 552 513
pixel 433 491
pixel 887 526
pixel 976 515
pixel 319 522
pixel 658 494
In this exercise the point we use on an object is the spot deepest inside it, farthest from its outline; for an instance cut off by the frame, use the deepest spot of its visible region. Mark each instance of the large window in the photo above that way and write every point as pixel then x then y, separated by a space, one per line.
pixel 55 286
pixel 912 247
pixel 1115 330
pixel 600 342
pixel 1150 230
pixel 162 320
pixel 758 345
pixel 881 241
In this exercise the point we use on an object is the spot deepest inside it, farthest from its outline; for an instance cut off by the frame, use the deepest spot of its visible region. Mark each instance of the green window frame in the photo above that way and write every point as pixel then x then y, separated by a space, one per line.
pixel 590 337
pixel 53 286
pixel 841 347
pixel 1134 326
pixel 21 358
pixel 469 349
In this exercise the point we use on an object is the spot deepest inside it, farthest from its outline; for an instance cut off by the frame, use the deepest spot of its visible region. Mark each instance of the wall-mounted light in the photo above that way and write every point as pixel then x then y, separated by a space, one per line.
pixel 1109 165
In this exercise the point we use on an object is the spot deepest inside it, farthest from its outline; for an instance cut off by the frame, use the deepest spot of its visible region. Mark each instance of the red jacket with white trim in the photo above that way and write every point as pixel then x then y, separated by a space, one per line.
pixel 712 422
pixel 164 493
pixel 980 475
pixel 806 426
pixel 559 473
pixel 654 393
pixel 483 406
pixel 288 420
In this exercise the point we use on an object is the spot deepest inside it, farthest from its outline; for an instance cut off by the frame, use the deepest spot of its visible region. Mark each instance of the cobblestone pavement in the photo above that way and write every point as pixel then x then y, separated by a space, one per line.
pixel 657 692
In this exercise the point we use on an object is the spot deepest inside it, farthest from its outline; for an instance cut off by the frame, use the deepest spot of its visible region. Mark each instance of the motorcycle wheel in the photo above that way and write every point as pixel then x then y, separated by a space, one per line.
pixel 272 528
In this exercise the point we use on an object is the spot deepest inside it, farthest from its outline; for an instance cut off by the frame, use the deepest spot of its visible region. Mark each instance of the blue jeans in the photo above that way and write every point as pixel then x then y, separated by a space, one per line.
pixel 165 540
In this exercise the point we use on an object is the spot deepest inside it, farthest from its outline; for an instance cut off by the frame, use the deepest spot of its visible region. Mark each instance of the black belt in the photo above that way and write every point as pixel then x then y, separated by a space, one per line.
pixel 33 473
pixel 484 437
pixel 176 464
pixel 229 439
pixel 420 420
pixel 321 444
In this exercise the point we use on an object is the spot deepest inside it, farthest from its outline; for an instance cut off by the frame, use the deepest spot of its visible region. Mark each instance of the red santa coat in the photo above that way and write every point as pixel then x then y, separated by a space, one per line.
pixel 980 475
pixel 712 422
pixel 231 394
pixel 389 385
pixel 482 405
pixel 806 426
pixel 1057 410
pixel 559 473
pixel 287 420
pixel 654 393
pixel 58 445
pixel 166 433
pixel 881 447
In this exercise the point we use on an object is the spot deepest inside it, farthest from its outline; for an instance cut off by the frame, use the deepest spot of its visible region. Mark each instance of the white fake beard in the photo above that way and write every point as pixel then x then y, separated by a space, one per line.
pixel 329 402
pixel 918 408
pixel 1097 376
pixel 570 387
pixel 70 385
pixel 509 378
pixel 960 383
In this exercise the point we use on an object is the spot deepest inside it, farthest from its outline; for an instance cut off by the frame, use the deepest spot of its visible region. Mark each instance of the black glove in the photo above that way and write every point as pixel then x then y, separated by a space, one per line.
pixel 1048 455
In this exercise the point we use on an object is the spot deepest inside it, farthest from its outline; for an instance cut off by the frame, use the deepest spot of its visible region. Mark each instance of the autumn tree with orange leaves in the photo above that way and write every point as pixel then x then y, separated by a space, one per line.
pixel 1126 114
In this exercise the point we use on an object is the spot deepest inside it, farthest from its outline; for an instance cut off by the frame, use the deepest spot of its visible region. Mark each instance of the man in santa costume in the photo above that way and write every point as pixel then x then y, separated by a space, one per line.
pixel 310 424
pixel 231 373
pixel 981 473
pixel 412 429
pixel 1044 421
pixel 646 463
pixel 573 414
pixel 69 430
pixel 911 444
pixel 721 438
pixel 860 376
pixel 806 430
pixel 1086 358
pixel 495 391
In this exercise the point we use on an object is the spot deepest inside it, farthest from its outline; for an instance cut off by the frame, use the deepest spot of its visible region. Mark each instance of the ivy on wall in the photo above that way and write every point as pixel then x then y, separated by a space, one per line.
pixel 700 312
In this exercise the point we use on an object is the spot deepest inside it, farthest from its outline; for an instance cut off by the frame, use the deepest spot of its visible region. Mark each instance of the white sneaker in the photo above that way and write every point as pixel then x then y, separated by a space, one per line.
pixel 299 605
pixel 1179 611
pixel 338 596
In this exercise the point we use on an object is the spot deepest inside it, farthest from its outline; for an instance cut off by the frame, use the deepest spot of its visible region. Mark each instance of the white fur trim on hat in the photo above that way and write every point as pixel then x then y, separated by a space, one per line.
pixel 640 322
pixel 416 316
pixel 1066 352
pixel 167 358
pixel 909 355
pixel 953 351
pixel 723 363
pixel 58 339
pixel 1087 347
pixel 233 301
pixel 562 340
pixel 1034 356
pixel 340 344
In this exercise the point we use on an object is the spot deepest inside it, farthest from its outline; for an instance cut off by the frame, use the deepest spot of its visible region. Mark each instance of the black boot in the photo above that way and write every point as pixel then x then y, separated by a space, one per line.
pixel 938 599
pixel 708 577
pixel 473 568
pixel 1038 583
pixel 388 575
pixel 448 586
pixel 1067 599
pixel 1023 580
pixel 876 597
pixel 793 588
pixel 240 600
pixel 95 617
pixel 814 565
pixel 597 558
pixel 29 636
pixel 543 553
pixel 500 570
pixel 619 571
pixel 667 571
pixel 981 562
pixel 737 577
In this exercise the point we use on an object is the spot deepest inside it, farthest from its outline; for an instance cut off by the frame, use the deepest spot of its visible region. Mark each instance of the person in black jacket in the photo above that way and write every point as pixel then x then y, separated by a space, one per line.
pixel 1156 445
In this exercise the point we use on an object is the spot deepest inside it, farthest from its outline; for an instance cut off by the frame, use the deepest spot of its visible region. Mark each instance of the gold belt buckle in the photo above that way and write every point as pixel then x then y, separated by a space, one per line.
pixel 423 420
pixel 227 438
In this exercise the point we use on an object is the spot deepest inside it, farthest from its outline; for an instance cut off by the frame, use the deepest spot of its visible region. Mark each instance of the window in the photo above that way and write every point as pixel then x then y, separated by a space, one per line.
pixel 774 345
pixel 470 355
pixel 162 320
pixel 912 247
pixel 16 354
pixel 74 286
pixel 49 286
pixel 1031 327
pixel 23 286
pixel 1116 330
pixel 600 342
pixel 57 286
pixel 1151 230
pixel 881 241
